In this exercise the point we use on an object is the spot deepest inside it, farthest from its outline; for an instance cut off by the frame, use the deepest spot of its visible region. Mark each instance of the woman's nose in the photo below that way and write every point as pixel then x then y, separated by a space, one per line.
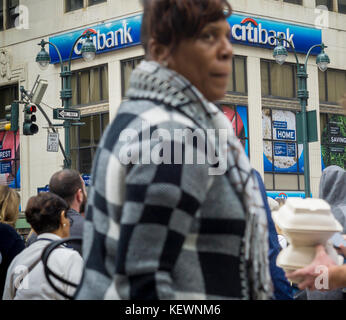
pixel 227 49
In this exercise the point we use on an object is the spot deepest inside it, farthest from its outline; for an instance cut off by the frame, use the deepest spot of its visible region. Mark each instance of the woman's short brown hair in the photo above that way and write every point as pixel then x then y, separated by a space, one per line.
pixel 9 205
pixel 44 210
pixel 170 21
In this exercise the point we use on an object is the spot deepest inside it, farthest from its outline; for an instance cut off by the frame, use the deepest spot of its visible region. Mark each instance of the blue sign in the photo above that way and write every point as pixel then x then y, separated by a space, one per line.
pixel 282 134
pixel 283 149
pixel 280 124
pixel 87 179
pixel 260 32
pixel 280 149
pixel 5 167
pixel 250 31
pixel 5 154
pixel 44 189
pixel 110 36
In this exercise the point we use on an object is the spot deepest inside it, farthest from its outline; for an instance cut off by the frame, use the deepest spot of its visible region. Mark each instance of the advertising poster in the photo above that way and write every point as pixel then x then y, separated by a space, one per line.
pixel 333 142
pixel 239 119
pixel 9 159
pixel 281 152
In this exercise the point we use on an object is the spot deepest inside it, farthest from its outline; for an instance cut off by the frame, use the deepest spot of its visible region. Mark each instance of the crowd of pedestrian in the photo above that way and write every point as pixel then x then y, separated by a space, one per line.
pixel 164 230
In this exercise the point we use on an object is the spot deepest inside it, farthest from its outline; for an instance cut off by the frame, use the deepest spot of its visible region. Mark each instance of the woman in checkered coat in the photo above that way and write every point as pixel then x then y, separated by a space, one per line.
pixel 167 217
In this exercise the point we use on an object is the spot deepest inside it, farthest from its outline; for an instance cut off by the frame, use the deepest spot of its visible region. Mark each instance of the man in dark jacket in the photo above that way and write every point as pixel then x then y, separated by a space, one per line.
pixel 11 244
pixel 69 185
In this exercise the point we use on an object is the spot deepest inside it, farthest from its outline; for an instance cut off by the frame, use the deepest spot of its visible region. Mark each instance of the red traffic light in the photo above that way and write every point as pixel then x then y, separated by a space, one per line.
pixel 32 108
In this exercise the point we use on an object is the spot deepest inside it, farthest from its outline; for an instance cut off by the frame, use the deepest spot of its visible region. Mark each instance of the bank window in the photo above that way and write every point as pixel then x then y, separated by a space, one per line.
pixel 333 140
pixel 237 82
pixel 332 84
pixel 282 156
pixel 278 81
pixel 90 86
pixel 127 66
pixel 71 5
pixel 8 14
pixel 7 95
pixel 85 139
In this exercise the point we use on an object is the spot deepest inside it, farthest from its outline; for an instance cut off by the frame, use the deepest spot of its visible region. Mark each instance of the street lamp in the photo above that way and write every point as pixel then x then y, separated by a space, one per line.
pixel 280 54
pixel 43 59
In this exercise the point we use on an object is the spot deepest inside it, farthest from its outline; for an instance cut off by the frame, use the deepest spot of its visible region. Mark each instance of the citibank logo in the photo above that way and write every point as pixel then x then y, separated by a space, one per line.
pixel 249 30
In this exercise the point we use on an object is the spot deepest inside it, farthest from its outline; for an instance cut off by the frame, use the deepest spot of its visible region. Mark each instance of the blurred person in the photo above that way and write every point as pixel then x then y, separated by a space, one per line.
pixel 282 288
pixel 333 190
pixel 274 206
pixel 11 242
pixel 25 279
pixel 175 230
pixel 9 206
pixel 69 185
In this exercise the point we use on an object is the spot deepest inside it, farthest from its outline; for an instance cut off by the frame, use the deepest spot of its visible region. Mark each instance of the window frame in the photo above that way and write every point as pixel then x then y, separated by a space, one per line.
pixel 325 75
pixel 100 86
pixel 234 91
pixel 133 60
pixel 297 173
pixel 294 80
pixel 86 4
pixel 93 146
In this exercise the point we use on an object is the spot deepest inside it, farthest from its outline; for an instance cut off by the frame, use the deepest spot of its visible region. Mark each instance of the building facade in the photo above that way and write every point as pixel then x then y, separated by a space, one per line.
pixel 261 100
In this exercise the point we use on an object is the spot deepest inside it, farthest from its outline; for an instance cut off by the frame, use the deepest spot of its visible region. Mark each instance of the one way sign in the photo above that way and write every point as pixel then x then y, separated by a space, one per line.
pixel 66 114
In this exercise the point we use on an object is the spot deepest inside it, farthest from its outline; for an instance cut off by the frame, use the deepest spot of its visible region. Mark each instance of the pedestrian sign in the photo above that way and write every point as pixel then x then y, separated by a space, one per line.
pixel 53 142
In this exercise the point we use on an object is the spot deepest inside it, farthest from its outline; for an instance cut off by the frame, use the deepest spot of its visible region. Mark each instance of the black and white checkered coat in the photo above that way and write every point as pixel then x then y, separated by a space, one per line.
pixel 160 231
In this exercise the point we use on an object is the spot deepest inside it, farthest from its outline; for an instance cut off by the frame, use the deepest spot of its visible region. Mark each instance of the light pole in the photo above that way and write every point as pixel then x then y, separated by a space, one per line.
pixel 43 59
pixel 280 54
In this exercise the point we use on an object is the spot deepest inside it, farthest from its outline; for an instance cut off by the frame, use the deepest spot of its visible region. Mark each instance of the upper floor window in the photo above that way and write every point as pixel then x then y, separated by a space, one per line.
pixel 300 2
pixel 71 5
pixel 337 6
pixel 342 6
pixel 327 3
pixel 332 84
pixel 278 81
pixel 8 13
pixel 7 95
pixel 127 66
pixel 237 82
pixel 90 86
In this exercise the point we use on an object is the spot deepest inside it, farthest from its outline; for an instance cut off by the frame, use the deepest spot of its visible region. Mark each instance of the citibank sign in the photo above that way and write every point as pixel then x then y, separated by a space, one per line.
pixel 259 32
pixel 250 31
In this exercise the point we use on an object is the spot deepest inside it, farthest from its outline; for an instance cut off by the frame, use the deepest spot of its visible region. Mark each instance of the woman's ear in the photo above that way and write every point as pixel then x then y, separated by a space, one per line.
pixel 62 218
pixel 158 52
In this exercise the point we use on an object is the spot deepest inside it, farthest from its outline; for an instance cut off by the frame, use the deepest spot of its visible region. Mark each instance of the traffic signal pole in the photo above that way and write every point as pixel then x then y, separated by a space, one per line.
pixel 51 125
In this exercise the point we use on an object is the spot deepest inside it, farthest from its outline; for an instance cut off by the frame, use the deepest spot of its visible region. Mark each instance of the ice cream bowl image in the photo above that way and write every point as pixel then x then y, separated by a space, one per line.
pixel 305 223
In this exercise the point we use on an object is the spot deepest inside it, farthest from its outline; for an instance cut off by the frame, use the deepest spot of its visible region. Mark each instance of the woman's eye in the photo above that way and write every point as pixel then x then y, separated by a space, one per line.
pixel 207 36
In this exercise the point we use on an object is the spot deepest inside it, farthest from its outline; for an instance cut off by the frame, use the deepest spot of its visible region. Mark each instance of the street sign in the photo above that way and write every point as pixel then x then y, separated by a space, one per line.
pixel 53 142
pixel 66 114
pixel 44 189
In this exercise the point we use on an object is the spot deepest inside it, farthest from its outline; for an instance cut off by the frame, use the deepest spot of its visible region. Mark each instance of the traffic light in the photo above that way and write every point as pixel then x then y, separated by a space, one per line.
pixel 29 128
pixel 12 115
